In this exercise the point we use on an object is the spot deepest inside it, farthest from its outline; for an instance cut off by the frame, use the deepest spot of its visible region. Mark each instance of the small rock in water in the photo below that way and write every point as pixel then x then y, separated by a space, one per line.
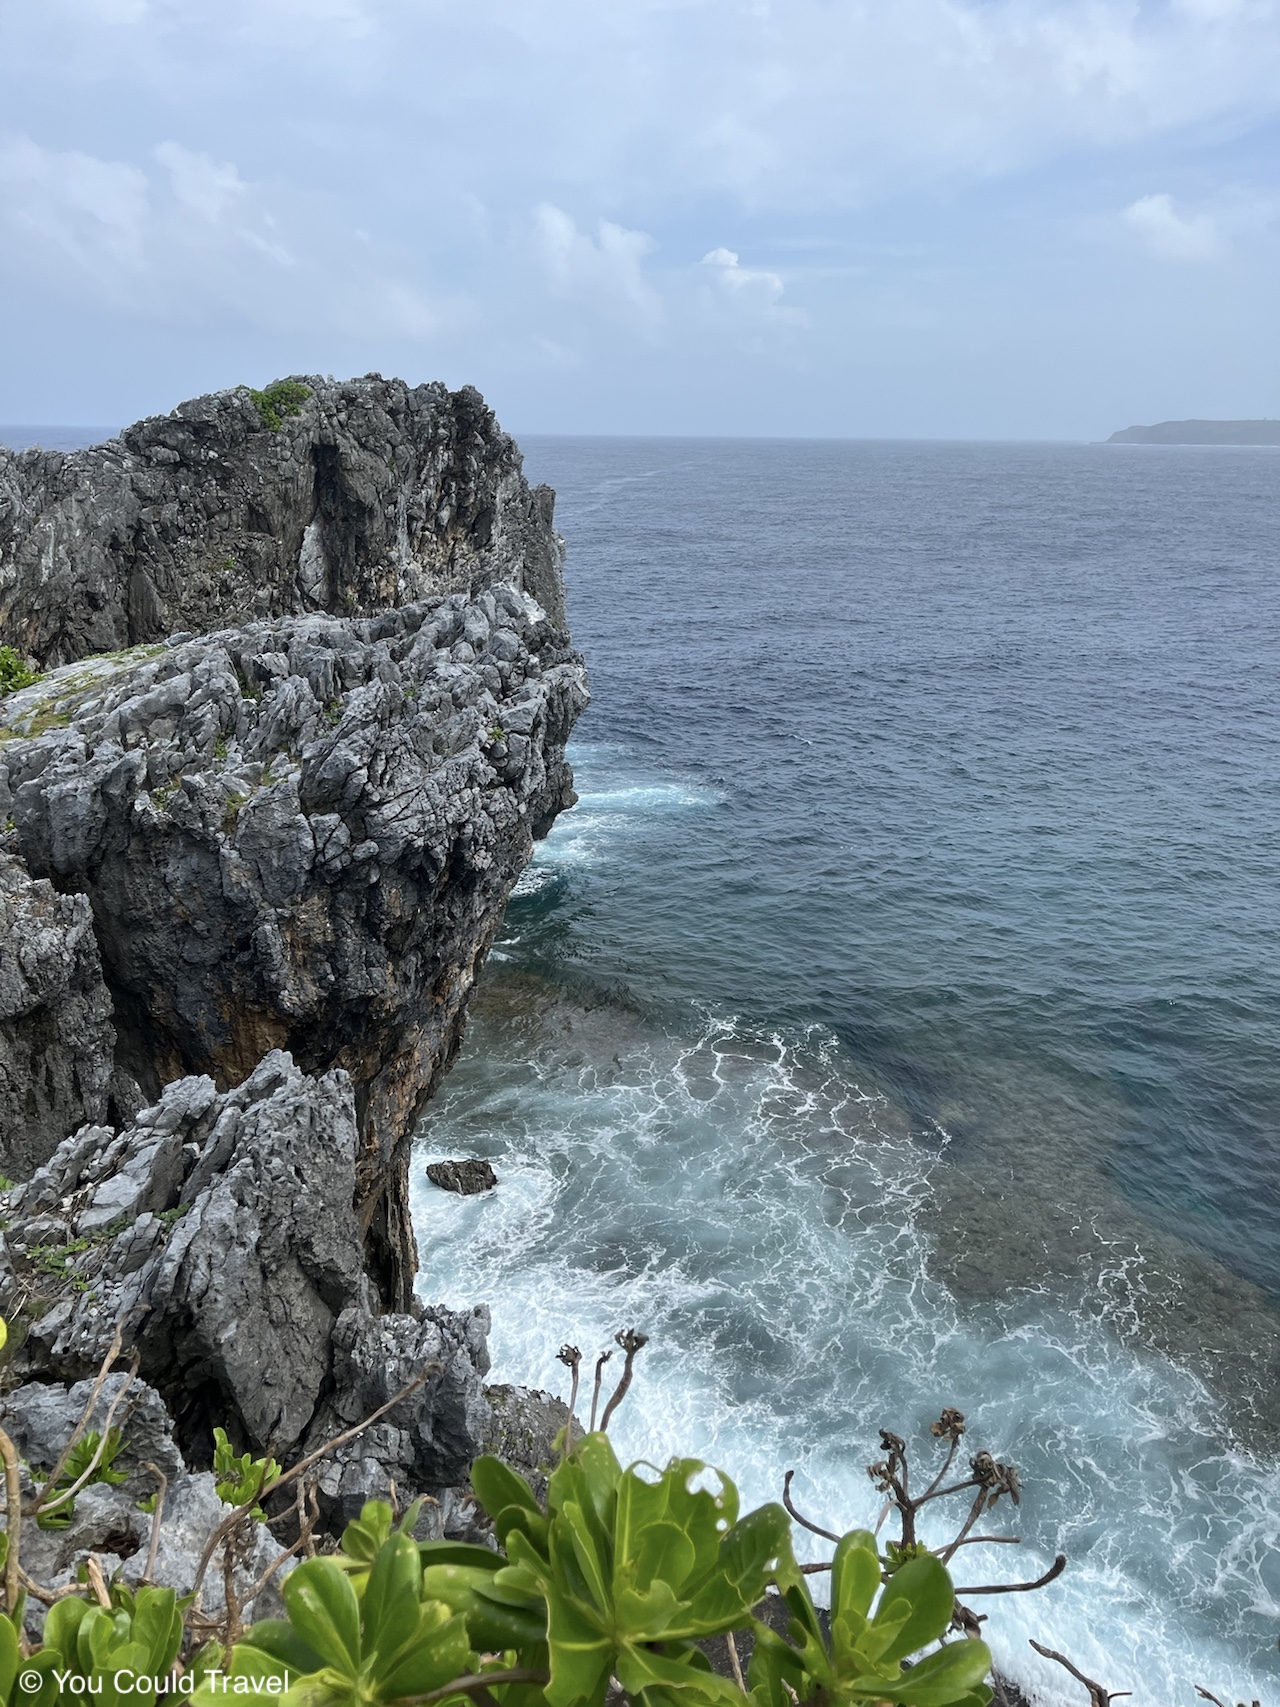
pixel 465 1177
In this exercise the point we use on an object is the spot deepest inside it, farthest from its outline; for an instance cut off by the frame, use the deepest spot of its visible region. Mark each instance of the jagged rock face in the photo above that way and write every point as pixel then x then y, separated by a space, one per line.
pixel 56 1037
pixel 220 1229
pixel 375 495
pixel 106 1520
pixel 300 834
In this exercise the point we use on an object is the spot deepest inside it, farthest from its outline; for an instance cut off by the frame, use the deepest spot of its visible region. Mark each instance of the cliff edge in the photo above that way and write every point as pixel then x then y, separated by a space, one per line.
pixel 306 687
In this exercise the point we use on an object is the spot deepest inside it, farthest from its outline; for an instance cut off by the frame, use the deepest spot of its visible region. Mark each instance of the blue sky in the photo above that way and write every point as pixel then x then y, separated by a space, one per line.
pixel 938 218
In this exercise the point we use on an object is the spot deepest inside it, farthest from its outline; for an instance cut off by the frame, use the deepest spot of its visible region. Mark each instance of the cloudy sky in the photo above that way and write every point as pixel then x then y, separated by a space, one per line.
pixel 939 218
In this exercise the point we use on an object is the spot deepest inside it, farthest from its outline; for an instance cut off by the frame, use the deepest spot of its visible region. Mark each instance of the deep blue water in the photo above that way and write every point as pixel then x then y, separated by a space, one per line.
pixel 896 1020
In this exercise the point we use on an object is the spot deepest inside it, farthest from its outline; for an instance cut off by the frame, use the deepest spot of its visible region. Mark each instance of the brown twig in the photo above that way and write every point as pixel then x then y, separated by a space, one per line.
pixel 12 1522
pixel 472 1685
pixel 571 1357
pixel 65 1496
pixel 304 1464
pixel 104 1369
pixel 303 1541
pixel 804 1523
pixel 157 1512
pixel 1099 1695
pixel 735 1662
pixel 595 1391
pixel 97 1582
pixel 229 1589
pixel 1055 1570
pixel 631 1342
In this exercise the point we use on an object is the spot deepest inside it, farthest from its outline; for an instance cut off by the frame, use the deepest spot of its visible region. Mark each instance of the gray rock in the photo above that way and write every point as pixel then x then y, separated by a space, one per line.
pixel 56 1036
pixel 294 835
pixel 467 1177
pixel 373 496
pixel 237 1268
pixel 106 1519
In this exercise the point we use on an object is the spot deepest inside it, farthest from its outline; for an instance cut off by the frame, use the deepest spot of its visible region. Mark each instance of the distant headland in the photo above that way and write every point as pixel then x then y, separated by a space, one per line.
pixel 1201 433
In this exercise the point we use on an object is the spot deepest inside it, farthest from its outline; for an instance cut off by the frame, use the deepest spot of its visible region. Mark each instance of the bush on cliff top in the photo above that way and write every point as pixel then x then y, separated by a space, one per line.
pixel 285 397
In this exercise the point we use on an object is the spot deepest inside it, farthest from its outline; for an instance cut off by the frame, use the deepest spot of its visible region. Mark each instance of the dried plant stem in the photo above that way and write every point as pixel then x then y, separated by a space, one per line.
pixel 67 1495
pixel 1099 1695
pixel 735 1662
pixel 13 1522
pixel 99 1381
pixel 595 1391
pixel 477 1686
pixel 157 1514
pixel 286 1476
pixel 631 1342
pixel 804 1523
pixel 1055 1570
pixel 97 1582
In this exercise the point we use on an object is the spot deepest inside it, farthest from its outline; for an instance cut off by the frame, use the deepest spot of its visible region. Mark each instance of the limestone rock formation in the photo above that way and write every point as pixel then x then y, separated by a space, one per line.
pixel 301 834
pixel 107 1520
pixel 306 696
pixel 220 1229
pixel 56 1038
pixel 374 495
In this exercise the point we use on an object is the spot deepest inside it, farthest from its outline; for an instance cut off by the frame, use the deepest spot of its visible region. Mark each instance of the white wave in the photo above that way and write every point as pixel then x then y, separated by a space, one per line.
pixel 738 1198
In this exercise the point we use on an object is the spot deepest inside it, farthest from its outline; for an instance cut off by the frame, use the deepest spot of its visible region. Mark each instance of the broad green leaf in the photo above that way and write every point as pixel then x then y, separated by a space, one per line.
pixel 325 1612
pixel 641 1669
pixel 438 1654
pixel 9 1657
pixel 918 1599
pixel 391 1596
pixel 497 1486
pixel 944 1678
pixel 278 1639
pixel 157 1625
pixel 459 1553
pixel 62 1624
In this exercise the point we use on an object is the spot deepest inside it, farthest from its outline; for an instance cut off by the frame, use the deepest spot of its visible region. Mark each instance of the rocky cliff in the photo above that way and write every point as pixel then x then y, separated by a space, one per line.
pixel 305 695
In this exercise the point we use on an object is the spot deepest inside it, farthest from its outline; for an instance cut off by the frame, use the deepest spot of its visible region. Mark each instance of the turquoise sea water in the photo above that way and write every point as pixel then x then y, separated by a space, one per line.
pixel 895 1021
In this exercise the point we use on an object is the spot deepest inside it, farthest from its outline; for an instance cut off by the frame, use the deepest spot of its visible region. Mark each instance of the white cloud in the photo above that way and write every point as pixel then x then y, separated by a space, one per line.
pixel 605 272
pixel 747 298
pixel 198 239
pixel 203 185
pixel 1178 237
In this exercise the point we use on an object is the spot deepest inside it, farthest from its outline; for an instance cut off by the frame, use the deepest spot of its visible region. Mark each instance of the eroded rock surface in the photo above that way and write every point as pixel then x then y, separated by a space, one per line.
pixel 57 1042
pixel 107 1519
pixel 220 1229
pixel 306 700
pixel 299 834
pixel 375 495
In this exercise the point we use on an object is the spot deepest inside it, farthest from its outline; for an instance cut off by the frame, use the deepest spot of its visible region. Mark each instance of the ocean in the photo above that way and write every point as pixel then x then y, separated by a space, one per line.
pixel 895 1021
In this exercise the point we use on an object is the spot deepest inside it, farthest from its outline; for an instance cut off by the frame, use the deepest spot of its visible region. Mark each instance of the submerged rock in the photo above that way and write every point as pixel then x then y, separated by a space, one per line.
pixel 467 1178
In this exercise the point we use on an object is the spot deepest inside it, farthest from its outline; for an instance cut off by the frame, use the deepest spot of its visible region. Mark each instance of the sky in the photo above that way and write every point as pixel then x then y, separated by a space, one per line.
pixel 850 218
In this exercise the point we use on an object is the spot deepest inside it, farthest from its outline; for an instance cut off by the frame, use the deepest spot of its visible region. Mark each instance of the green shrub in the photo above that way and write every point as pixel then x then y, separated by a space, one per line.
pixel 620 1575
pixel 285 397
pixel 239 1481
pixel 14 674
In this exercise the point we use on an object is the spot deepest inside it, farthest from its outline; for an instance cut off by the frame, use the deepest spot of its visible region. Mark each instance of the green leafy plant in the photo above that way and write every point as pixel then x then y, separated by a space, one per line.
pixel 284 397
pixel 240 1480
pixel 14 673
pixel 118 1650
pixel 862 1659
pixel 91 1458
pixel 340 1649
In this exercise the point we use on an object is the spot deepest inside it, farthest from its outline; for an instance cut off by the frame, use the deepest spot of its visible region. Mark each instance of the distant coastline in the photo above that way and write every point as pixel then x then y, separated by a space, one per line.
pixel 1200 433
